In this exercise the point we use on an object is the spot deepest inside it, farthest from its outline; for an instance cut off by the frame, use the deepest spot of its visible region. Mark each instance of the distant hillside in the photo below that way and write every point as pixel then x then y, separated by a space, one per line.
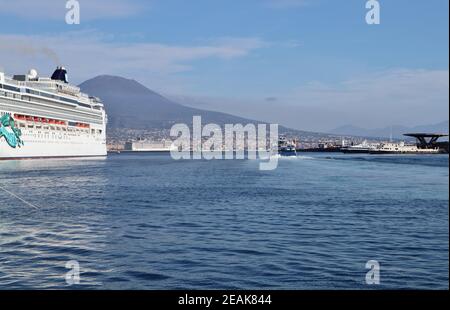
pixel 397 131
pixel 131 105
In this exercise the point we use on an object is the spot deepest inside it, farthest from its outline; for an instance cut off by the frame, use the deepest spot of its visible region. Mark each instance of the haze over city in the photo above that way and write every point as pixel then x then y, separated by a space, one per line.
pixel 311 65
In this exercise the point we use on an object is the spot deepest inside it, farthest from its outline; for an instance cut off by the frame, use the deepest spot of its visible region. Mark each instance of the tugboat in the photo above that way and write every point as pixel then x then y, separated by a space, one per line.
pixel 286 148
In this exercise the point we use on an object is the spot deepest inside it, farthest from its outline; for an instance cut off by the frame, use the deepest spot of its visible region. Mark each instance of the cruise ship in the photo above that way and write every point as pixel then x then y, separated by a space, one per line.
pixel 47 117
pixel 149 146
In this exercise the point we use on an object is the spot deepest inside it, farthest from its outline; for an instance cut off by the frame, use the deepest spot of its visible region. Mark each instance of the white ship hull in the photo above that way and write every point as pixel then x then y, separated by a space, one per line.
pixel 39 143
pixel 142 146
pixel 47 145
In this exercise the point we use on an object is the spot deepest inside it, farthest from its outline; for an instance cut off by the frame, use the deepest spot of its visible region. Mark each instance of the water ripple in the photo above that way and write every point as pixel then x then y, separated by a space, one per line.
pixel 148 222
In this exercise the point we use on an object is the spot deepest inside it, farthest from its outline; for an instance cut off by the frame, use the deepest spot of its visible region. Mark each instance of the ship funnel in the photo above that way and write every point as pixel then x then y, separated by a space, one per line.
pixel 60 74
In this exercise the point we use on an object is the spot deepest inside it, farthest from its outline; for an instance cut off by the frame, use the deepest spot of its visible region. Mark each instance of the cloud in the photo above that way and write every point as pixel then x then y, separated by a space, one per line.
pixel 90 53
pixel 56 9
pixel 407 97
pixel 381 89
pixel 285 4
pixel 394 97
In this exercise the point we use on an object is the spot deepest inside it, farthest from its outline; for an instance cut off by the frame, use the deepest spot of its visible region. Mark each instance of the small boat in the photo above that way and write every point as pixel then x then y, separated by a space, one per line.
pixel 286 148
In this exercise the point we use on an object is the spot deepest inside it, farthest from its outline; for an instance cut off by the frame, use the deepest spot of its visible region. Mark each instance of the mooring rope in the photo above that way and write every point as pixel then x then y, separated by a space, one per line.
pixel 19 198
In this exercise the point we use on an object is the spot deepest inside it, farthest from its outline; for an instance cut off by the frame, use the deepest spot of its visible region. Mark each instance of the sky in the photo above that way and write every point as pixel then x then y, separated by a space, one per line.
pixel 308 64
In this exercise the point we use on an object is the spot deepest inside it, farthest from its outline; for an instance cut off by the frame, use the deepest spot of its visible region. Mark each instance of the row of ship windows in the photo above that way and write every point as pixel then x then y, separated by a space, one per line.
pixel 37 93
pixel 58 128
pixel 35 137
pixel 63 129
pixel 40 136
pixel 26 98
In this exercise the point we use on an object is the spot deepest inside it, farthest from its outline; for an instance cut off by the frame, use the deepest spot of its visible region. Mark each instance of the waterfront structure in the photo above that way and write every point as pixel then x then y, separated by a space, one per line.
pixel 148 146
pixel 430 141
pixel 426 144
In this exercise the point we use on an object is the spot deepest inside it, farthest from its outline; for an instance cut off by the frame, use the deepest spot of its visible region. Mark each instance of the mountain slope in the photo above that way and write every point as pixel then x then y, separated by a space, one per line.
pixel 132 105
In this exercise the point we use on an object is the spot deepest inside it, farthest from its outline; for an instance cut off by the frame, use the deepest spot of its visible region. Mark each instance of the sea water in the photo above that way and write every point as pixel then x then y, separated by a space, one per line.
pixel 146 221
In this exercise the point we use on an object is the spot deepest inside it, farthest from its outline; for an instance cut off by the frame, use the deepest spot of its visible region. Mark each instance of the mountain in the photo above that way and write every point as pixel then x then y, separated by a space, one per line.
pixel 397 131
pixel 131 105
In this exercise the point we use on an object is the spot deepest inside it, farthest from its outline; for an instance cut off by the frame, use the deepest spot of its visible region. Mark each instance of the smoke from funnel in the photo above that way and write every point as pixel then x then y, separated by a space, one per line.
pixel 52 55
pixel 30 50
